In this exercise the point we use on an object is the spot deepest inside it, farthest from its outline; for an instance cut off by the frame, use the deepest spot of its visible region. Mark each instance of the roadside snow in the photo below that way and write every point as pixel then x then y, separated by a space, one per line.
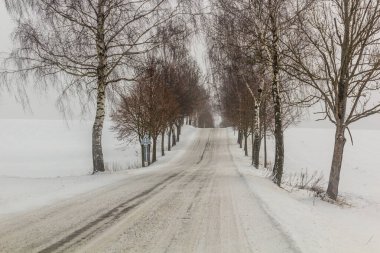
pixel 43 161
pixel 314 225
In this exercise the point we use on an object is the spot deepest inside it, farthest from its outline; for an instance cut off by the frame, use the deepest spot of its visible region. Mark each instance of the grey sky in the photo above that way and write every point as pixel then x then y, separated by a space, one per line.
pixel 42 104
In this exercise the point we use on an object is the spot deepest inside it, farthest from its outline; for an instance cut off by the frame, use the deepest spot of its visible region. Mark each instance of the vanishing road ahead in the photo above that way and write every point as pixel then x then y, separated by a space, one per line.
pixel 197 203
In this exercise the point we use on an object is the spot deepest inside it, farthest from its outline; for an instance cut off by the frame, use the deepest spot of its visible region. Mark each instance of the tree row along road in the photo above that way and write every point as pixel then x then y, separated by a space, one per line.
pixel 198 203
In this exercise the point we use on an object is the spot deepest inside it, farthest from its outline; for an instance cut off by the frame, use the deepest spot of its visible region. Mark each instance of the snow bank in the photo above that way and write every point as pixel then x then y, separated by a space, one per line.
pixel 43 161
pixel 314 225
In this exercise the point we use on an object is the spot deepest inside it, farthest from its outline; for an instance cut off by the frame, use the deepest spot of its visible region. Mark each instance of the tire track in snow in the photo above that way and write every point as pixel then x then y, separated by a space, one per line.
pixel 107 219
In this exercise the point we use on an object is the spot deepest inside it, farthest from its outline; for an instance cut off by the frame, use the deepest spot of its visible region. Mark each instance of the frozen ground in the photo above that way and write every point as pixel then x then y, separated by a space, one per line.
pixel 316 225
pixel 43 161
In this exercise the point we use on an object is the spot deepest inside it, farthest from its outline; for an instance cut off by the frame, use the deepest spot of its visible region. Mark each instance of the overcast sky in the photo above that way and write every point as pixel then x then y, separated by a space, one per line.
pixel 42 104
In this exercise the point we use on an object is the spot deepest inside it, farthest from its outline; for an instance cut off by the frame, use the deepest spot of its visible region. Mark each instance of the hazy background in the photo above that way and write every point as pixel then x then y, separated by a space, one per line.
pixel 43 104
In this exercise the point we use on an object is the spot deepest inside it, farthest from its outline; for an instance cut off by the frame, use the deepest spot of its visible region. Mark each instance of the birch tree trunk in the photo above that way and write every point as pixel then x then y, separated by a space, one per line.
pixel 279 137
pixel 97 151
pixel 257 142
pixel 278 131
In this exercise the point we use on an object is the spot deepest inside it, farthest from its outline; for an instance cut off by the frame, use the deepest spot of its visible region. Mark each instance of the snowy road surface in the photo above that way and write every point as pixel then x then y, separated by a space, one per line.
pixel 198 203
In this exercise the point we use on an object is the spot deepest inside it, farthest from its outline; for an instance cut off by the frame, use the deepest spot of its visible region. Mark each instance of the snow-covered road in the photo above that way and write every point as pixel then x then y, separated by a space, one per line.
pixel 197 203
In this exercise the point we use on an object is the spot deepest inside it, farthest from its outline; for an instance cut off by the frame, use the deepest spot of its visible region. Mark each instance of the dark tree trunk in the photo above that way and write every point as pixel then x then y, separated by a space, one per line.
pixel 173 137
pixel 265 135
pixel 142 156
pixel 169 139
pixel 336 165
pixel 178 132
pixel 149 160
pixel 240 138
pixel 253 147
pixel 246 143
pixel 154 151
pixel 163 143
pixel 97 151
pixel 265 151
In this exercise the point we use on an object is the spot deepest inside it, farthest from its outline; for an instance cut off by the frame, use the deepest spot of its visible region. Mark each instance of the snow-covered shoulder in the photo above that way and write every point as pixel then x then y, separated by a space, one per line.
pixel 314 225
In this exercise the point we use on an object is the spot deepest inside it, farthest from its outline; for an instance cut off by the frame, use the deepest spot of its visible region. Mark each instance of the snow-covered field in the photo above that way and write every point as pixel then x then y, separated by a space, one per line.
pixel 315 225
pixel 51 148
pixel 46 160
